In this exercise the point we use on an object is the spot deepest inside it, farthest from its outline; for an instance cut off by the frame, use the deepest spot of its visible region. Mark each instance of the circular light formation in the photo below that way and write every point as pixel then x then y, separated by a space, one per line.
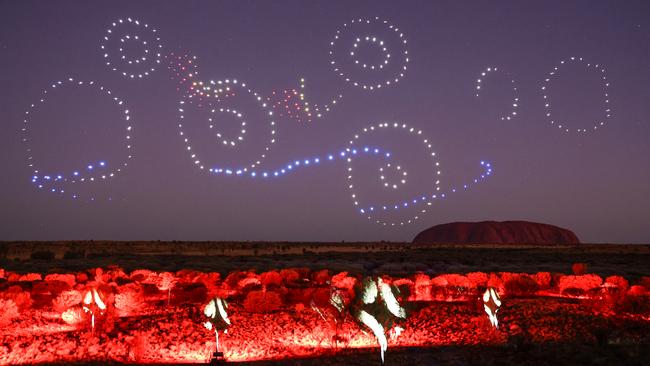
pixel 370 211
pixel 401 173
pixel 88 171
pixel 352 37
pixel 515 99
pixel 236 114
pixel 136 33
pixel 219 91
pixel 600 70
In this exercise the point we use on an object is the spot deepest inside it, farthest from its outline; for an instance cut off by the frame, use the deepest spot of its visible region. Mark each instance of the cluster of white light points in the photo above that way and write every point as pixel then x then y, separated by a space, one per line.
pixel 515 101
pixel 91 171
pixel 356 41
pixel 547 101
pixel 239 116
pixel 145 63
pixel 425 199
pixel 399 170
pixel 220 90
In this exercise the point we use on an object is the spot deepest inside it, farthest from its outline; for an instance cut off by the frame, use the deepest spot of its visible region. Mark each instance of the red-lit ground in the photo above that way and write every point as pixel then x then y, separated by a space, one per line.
pixel 283 315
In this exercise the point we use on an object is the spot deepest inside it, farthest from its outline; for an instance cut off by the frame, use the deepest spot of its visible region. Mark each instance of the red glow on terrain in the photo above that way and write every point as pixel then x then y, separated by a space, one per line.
pixel 151 317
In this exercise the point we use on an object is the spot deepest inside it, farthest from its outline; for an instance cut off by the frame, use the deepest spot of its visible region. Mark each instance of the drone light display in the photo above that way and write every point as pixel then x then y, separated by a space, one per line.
pixel 515 100
pixel 563 125
pixel 132 31
pixel 221 99
pixel 88 171
pixel 349 41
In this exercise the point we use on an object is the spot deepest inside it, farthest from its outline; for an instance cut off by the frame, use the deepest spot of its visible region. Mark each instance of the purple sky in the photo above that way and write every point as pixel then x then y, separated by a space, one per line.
pixel 596 184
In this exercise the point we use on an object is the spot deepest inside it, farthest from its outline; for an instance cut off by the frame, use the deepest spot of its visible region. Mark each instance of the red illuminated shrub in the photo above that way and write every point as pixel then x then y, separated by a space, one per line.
pixel 8 312
pixel 289 275
pixel 142 275
pixel 66 300
pixel 129 300
pixel 543 280
pixel 495 281
pixel 343 281
pixel 262 302
pixel 422 287
pixel 271 279
pixel 82 277
pixel 30 277
pixel 619 283
pixel 520 285
pixel 579 268
pixel 579 284
pixel 322 277
pixel 477 279
pixel 637 290
pixel 22 299
pixel 68 278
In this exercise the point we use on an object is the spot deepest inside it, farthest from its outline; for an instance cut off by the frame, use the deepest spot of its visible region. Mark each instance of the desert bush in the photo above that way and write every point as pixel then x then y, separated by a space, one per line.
pixel 129 299
pixel 22 299
pixel 520 285
pixel 8 312
pixel 579 268
pixel 68 278
pixel 262 302
pixel 271 279
pixel 617 282
pixel 343 281
pixel 141 275
pixel 495 281
pixel 637 290
pixel 451 280
pixel 582 283
pixel 30 277
pixel 543 280
pixel 289 275
pixel 322 277
pixel 422 290
pixel 477 279
pixel 66 300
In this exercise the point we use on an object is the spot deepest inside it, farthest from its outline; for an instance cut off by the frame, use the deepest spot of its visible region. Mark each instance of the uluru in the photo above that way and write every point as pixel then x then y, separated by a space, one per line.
pixel 496 232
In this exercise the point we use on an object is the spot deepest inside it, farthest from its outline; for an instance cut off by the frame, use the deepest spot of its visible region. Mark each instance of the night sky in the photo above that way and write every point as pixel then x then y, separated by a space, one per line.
pixel 596 183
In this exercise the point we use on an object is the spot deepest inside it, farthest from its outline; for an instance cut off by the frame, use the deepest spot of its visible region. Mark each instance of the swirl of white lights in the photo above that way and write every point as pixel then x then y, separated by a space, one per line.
pixel 547 100
pixel 515 99
pixel 426 199
pixel 132 67
pixel 91 171
pixel 221 90
pixel 353 36
pixel 239 116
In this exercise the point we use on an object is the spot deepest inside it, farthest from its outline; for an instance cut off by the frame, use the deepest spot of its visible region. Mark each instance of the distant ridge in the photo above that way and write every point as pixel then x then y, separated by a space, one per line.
pixel 495 232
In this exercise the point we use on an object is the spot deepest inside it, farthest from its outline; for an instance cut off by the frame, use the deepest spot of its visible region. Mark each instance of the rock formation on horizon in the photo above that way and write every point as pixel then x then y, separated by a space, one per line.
pixel 494 232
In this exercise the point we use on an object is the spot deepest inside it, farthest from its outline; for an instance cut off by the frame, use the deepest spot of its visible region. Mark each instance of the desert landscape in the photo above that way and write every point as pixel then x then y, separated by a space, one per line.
pixel 589 304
